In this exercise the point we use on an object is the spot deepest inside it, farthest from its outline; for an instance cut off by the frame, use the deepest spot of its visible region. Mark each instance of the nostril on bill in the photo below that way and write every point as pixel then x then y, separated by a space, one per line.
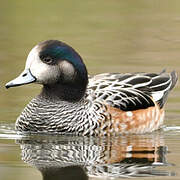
pixel 24 75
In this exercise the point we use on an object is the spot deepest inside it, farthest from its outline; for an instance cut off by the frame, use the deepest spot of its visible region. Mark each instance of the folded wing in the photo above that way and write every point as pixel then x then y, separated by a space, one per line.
pixel 132 91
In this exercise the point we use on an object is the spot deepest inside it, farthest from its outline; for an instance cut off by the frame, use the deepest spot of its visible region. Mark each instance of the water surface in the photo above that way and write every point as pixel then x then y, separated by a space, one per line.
pixel 69 157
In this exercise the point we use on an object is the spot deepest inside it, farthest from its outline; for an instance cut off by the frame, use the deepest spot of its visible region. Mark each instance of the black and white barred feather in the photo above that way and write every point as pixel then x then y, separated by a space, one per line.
pixel 132 91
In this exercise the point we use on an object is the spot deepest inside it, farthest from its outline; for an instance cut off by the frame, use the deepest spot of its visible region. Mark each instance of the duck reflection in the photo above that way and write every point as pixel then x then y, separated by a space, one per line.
pixel 63 173
pixel 65 157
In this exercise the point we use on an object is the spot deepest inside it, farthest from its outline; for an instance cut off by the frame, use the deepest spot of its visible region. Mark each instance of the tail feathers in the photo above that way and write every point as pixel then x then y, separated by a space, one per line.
pixel 174 79
pixel 164 93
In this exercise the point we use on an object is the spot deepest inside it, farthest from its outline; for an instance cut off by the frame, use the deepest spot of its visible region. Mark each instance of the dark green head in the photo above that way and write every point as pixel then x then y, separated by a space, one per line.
pixel 53 51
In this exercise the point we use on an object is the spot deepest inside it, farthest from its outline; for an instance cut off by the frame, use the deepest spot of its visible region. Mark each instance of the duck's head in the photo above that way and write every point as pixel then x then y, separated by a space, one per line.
pixel 58 67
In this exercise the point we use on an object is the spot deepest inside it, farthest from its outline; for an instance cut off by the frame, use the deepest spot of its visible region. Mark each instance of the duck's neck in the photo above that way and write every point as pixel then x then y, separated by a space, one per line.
pixel 62 92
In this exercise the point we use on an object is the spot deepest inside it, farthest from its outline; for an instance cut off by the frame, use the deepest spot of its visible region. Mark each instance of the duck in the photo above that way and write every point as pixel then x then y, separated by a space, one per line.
pixel 73 102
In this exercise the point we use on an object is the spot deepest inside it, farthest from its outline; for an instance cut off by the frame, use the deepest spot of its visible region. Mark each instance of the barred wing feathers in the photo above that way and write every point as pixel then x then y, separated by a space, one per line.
pixel 132 91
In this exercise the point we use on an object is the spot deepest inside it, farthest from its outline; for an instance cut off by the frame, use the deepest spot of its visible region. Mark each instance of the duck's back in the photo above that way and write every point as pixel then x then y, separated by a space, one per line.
pixel 132 91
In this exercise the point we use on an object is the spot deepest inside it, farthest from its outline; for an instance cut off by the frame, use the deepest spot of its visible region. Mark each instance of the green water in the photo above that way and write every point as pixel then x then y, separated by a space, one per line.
pixel 111 36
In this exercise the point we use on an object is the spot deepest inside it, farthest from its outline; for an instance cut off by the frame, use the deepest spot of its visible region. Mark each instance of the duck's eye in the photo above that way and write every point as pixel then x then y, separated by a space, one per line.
pixel 47 60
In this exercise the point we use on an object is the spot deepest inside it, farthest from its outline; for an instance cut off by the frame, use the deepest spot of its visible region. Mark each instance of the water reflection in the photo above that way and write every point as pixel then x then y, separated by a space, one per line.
pixel 69 157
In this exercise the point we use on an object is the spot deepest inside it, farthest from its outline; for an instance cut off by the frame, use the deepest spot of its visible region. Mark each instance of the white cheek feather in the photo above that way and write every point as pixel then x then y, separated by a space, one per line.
pixel 42 72
pixel 67 70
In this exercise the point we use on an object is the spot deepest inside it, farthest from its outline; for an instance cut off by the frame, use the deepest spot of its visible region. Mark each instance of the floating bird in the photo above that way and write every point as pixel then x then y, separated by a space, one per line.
pixel 73 102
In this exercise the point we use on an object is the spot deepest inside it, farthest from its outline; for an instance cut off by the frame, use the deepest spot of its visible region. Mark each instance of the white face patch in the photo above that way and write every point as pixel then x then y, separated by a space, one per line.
pixel 67 70
pixel 42 72
pixel 31 56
